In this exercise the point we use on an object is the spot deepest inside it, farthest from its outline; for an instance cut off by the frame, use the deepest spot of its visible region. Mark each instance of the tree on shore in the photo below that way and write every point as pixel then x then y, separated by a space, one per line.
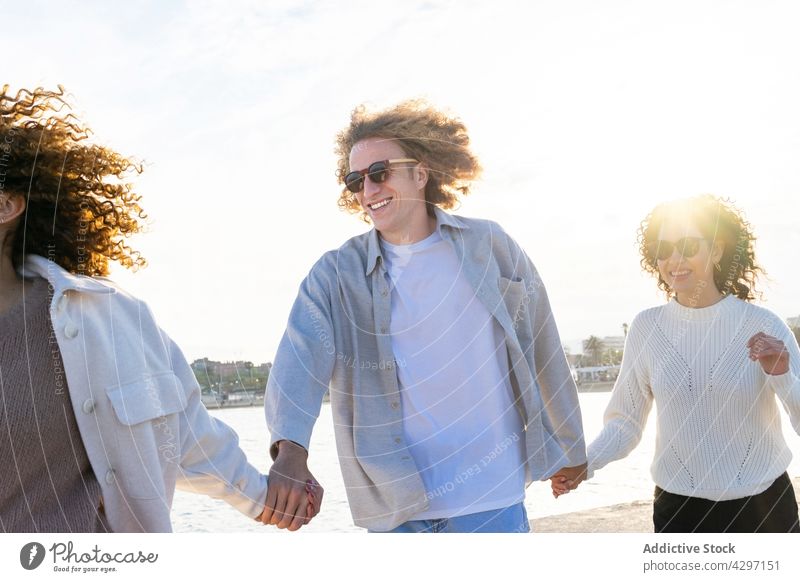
pixel 595 349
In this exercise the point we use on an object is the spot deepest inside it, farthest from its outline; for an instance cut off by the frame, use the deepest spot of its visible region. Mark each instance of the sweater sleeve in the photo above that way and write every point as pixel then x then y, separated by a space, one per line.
pixel 631 400
pixel 787 386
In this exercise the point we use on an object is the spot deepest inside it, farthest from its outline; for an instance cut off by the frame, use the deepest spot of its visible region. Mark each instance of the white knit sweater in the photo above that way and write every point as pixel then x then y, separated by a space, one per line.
pixel 719 431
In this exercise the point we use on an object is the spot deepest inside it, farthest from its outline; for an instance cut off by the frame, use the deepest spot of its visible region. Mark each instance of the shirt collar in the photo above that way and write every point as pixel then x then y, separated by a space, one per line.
pixel 60 278
pixel 373 243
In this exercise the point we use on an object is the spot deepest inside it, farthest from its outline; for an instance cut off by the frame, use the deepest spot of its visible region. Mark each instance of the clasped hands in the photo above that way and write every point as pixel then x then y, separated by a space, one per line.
pixel 567 479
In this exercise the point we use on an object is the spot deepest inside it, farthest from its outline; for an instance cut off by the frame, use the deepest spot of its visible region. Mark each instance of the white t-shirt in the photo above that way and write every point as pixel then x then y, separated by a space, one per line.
pixel 460 422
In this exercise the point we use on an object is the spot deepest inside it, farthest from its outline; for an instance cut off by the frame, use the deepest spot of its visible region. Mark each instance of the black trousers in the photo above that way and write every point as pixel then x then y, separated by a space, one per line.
pixel 773 511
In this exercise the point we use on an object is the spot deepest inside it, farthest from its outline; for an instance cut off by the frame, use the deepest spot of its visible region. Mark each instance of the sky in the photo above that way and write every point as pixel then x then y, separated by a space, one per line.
pixel 584 115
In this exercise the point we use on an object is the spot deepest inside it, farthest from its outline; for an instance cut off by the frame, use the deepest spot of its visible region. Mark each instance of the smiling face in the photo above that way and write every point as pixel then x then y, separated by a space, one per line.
pixel 691 278
pixel 396 206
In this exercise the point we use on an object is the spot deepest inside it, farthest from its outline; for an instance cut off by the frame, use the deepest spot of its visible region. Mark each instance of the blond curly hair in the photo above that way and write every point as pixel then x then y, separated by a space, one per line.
pixel 439 141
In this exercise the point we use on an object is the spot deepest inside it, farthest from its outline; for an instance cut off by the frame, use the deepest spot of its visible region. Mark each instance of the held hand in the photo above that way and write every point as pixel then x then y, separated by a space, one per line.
pixel 314 492
pixel 567 479
pixel 770 352
pixel 293 495
pixel 558 483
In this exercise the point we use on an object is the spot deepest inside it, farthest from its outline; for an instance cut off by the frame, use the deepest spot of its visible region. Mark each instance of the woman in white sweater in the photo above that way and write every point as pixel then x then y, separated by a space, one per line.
pixel 714 364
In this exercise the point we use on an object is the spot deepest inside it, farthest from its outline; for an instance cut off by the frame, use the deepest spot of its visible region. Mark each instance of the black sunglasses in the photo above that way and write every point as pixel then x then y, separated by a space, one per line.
pixel 377 172
pixel 687 247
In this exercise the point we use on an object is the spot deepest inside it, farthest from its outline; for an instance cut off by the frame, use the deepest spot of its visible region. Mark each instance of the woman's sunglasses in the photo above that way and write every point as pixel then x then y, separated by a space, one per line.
pixel 377 172
pixel 687 247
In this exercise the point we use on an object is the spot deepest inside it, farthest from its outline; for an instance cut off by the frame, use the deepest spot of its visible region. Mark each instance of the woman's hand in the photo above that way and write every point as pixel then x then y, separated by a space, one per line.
pixel 770 352
pixel 567 479
pixel 558 483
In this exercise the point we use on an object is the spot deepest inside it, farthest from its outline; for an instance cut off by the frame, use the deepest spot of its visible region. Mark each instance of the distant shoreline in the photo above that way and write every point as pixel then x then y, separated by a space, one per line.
pixel 596 387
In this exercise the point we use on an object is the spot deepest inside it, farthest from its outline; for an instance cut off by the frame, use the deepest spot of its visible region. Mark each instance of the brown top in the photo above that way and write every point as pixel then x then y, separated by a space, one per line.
pixel 46 481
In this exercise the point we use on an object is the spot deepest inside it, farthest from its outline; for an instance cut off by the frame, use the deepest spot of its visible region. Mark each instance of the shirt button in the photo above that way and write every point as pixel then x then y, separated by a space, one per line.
pixel 110 476
pixel 395 405
pixel 88 406
pixel 398 440
pixel 62 303
pixel 383 329
pixel 71 330
pixel 384 291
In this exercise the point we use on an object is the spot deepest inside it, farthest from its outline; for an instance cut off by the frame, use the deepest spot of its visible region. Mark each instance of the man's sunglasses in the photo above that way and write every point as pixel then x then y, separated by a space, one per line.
pixel 377 172
pixel 687 247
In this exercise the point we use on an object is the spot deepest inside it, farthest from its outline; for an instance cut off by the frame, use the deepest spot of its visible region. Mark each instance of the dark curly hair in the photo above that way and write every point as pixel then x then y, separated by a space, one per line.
pixel 718 220
pixel 80 205
pixel 424 133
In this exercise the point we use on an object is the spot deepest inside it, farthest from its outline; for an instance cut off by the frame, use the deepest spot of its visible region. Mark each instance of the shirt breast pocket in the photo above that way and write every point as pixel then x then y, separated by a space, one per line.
pixel 146 432
pixel 514 297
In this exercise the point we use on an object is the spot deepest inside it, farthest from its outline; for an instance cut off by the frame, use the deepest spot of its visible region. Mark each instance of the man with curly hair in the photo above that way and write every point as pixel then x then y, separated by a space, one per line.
pixel 101 415
pixel 449 387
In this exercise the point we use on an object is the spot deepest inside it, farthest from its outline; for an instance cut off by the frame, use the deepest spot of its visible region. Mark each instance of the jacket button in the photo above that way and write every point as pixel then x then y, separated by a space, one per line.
pixel 88 406
pixel 395 405
pixel 71 330
pixel 110 476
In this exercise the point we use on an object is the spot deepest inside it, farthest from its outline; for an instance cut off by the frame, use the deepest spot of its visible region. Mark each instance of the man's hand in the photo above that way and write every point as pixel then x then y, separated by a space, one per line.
pixel 567 479
pixel 293 495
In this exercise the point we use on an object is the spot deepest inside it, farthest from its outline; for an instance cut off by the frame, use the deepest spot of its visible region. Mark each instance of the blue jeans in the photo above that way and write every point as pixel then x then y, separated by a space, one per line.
pixel 512 519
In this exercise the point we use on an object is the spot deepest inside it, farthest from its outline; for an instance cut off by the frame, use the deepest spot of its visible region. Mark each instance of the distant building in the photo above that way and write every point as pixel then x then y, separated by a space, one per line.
pixel 793 321
pixel 230 375
pixel 613 342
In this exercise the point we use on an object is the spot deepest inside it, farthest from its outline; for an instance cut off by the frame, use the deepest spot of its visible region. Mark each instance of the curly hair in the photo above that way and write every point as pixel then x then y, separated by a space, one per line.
pixel 79 203
pixel 424 133
pixel 718 220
